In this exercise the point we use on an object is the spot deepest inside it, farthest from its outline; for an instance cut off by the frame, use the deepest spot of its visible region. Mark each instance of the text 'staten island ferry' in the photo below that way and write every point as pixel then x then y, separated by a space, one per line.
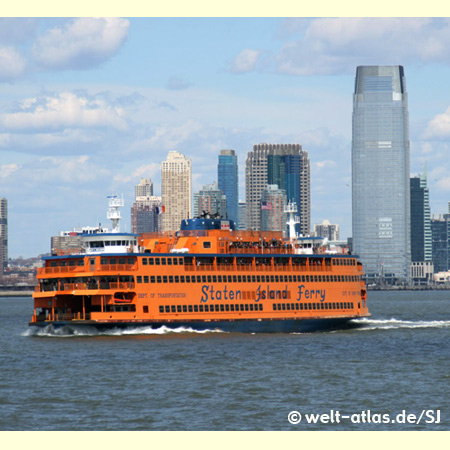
pixel 205 276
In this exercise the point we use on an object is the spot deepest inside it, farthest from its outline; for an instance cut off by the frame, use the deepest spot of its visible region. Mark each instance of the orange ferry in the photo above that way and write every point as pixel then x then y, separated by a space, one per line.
pixel 205 276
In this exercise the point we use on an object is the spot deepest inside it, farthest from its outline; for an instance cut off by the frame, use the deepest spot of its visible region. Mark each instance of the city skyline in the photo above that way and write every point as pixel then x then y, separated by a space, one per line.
pixel 79 122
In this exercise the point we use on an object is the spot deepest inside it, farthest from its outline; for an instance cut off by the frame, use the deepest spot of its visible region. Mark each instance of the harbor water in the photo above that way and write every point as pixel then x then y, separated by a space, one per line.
pixel 385 374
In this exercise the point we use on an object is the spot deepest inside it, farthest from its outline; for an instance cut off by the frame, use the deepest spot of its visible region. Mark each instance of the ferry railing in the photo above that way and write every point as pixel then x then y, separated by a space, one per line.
pixel 121 285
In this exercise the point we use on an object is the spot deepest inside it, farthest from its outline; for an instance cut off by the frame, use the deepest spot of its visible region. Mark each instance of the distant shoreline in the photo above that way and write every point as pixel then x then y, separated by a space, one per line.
pixel 16 293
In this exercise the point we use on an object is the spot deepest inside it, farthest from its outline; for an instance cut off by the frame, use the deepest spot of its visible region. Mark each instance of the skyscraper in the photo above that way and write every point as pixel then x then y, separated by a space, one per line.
pixel 380 172
pixel 144 188
pixel 273 203
pixel 286 165
pixel 211 200
pixel 176 190
pixel 228 181
pixel 421 241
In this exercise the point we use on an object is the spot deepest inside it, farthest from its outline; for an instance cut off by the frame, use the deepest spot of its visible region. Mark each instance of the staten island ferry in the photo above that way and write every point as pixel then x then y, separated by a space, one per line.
pixel 205 276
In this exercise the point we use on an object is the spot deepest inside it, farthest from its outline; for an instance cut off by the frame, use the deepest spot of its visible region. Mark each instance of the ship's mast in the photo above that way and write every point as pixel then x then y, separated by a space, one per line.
pixel 113 212
pixel 291 209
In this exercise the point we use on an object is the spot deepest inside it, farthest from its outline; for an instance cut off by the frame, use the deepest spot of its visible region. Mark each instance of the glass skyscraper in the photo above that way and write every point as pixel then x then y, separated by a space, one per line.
pixel 380 172
pixel 227 177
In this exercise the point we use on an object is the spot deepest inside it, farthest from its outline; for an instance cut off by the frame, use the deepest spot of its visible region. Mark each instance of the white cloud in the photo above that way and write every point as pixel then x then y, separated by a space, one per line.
pixel 12 64
pixel 7 169
pixel 80 44
pixel 246 61
pixel 439 126
pixel 149 170
pixel 337 45
pixel 61 111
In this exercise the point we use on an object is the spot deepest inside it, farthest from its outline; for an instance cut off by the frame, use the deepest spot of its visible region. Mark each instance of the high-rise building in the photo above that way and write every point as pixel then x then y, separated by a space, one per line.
pixel 228 181
pixel 286 165
pixel 380 172
pixel 421 241
pixel 3 233
pixel 210 200
pixel 242 215
pixel 144 188
pixel 146 214
pixel 273 203
pixel 440 235
pixel 176 190
pixel 327 230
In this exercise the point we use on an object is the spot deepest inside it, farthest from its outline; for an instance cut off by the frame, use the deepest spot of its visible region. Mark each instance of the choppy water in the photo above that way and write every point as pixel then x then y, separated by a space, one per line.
pixel 396 363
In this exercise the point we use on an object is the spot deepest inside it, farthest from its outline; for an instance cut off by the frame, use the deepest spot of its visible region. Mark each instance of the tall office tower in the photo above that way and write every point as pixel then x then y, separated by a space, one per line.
pixel 286 165
pixel 440 235
pixel 176 190
pixel 327 230
pixel 421 241
pixel 3 233
pixel 210 200
pixel 380 172
pixel 228 181
pixel 144 188
pixel 145 214
pixel 242 215
pixel 273 203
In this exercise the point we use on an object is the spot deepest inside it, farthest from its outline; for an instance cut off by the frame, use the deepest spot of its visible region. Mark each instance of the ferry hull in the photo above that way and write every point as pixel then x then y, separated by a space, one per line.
pixel 230 326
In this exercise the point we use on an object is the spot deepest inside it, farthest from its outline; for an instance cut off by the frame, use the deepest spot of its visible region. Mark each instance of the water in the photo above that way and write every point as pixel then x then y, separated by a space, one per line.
pixel 142 379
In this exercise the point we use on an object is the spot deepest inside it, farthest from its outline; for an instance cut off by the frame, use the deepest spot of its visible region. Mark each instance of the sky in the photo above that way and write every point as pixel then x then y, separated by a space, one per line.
pixel 88 106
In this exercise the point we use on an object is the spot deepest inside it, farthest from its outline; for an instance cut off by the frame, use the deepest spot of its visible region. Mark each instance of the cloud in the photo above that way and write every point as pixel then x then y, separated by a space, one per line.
pixel 246 61
pixel 148 170
pixel 62 111
pixel 177 84
pixel 327 46
pixel 81 44
pixel 12 64
pixel 439 127
pixel 7 169
pixel 17 30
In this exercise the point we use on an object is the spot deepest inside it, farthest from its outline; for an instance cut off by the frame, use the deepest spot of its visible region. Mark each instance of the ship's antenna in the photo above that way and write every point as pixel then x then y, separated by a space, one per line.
pixel 113 211
pixel 291 209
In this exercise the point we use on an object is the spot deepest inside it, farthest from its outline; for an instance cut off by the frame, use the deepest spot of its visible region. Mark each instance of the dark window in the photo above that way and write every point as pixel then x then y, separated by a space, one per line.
pixel 169 261
pixel 145 309
pixel 145 278
pixel 173 308
pixel 196 308
pixel 150 261
pixel 163 261
pixel 139 279
pixel 184 308
pixel 167 308
pixel 227 307
pixel 164 278
pixel 144 261
pixel 231 307
pixel 190 308
pixel 161 309
pixel 178 308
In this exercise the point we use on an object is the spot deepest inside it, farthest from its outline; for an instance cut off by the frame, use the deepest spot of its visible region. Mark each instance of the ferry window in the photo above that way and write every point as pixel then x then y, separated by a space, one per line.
pixel 139 279
pixel 150 261
pixel 161 309
pixel 130 261
pixel 276 279
pixel 145 308
pixel 164 278
pixel 181 278
pixel 219 278
pixel 152 279
pixel 144 261
pixel 231 307
pixel 190 308
pixel 159 279
pixel 121 260
pixel 112 261
pixel 195 308
pixel 157 261
pixel 80 262
pixel 199 279
pixel 170 278
pixel 209 278
pixel 227 307
pixel 246 307
pixel 283 306
pixel 184 308
pixel 175 261
pixel 177 279
pixel 316 279
pixel 217 308
pixel 203 278
pixel 163 261
pixel 173 308
pixel 145 278
pixel 206 244
pixel 71 262
pixel 214 279
pixel 297 305
pixel 234 278
pixel 260 306
pixel 288 306
pixel 180 261
pixel 222 307
pixel 201 308
pixel 169 261
pixel 167 308
pixel 206 308
pixel 251 307
pixel 239 279
pixel 188 279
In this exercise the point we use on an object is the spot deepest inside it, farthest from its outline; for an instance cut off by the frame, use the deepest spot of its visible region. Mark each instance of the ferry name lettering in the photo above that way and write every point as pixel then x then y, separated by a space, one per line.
pixel 311 294
pixel 219 294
